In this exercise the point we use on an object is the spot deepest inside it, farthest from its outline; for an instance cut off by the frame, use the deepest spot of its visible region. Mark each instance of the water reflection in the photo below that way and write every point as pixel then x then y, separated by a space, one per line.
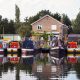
pixel 77 69
pixel 39 69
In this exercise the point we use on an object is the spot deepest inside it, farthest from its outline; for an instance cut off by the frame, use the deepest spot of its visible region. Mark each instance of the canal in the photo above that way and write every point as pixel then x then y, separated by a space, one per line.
pixel 41 68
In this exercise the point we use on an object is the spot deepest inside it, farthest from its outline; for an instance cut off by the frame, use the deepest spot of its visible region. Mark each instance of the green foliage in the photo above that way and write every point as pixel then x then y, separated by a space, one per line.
pixel 73 26
pixel 43 13
pixel 39 15
pixel 76 24
pixel 45 36
pixel 17 18
pixel 28 29
pixel 36 34
pixel 17 14
pixel 51 34
pixel 77 69
pixel 28 34
pixel 67 22
pixel 24 30
pixel 57 16
pixel 6 27
pixel 10 28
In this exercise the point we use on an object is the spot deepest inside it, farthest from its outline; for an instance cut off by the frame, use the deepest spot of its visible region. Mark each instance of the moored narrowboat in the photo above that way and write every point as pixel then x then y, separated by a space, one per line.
pixel 14 48
pixel 72 47
pixel 73 43
pixel 1 48
pixel 27 51
pixel 27 47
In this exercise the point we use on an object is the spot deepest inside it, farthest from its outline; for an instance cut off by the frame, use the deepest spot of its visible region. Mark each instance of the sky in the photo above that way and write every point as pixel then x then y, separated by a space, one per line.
pixel 32 7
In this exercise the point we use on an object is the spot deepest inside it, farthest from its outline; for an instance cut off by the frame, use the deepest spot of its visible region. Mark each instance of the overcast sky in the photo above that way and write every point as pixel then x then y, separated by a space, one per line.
pixel 31 7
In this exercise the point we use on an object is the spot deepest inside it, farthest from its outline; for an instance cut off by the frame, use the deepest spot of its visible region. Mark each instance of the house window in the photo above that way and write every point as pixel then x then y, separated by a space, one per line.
pixel 39 27
pixel 53 27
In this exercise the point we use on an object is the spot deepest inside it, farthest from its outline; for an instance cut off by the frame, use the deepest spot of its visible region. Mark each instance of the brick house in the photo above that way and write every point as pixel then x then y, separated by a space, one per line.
pixel 51 26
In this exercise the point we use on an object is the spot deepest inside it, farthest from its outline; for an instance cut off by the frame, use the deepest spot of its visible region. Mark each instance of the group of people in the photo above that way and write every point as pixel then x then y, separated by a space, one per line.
pixel 29 43
pixel 57 42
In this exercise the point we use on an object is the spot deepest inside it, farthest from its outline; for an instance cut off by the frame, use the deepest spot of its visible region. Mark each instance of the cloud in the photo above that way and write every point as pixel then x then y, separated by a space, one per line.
pixel 32 7
pixel 7 9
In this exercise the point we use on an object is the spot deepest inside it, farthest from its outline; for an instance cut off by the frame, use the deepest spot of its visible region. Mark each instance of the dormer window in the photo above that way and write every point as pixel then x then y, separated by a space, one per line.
pixel 39 27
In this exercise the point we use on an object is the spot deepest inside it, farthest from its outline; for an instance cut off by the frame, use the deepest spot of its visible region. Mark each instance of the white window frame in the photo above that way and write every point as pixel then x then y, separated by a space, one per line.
pixel 39 27
pixel 53 27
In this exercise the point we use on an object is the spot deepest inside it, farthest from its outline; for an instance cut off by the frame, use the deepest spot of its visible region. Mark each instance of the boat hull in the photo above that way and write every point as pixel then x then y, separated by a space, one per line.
pixel 45 50
pixel 58 52
pixel 29 59
pixel 26 52
pixel 73 49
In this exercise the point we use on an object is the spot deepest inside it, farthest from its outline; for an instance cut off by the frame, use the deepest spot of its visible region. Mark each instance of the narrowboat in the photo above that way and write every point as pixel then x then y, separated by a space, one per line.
pixel 58 51
pixel 72 47
pixel 27 47
pixel 27 50
pixel 1 48
pixel 14 48
pixel 73 43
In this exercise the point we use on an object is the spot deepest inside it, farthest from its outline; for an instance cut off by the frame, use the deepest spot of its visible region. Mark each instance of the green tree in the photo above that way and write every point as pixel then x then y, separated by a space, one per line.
pixel 0 18
pixel 17 14
pixel 11 27
pixel 24 30
pixel 76 24
pixel 43 13
pixel 1 24
pixel 66 21
pixel 57 16
pixel 17 18
pixel 26 20
pixel 28 27
pixel 77 69
pixel 6 27
pixel 73 25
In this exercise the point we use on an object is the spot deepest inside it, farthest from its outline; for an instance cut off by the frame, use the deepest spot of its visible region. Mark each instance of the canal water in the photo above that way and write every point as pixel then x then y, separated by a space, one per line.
pixel 42 68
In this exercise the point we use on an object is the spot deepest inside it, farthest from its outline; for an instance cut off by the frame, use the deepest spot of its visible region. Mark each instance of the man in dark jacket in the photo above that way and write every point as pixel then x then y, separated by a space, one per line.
pixel 28 43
